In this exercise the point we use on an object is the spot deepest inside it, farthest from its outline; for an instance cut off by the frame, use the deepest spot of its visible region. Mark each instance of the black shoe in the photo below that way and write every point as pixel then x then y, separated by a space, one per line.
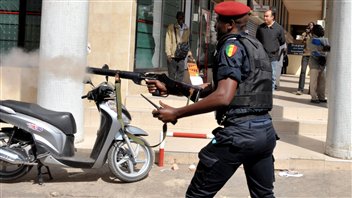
pixel 323 100
pixel 315 101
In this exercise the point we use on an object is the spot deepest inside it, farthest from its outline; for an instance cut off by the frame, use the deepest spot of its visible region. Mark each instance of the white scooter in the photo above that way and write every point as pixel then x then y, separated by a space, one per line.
pixel 36 136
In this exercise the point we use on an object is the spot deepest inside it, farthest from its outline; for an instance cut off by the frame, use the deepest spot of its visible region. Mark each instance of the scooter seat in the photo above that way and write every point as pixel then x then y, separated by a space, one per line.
pixel 62 120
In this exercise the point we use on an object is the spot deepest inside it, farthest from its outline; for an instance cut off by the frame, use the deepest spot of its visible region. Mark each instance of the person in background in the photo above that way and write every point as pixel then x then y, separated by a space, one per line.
pixel 176 33
pixel 280 64
pixel 305 58
pixel 285 63
pixel 318 46
pixel 272 36
pixel 241 101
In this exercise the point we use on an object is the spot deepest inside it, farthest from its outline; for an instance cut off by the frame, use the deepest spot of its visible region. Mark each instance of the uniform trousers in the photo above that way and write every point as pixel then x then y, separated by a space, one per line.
pixel 253 142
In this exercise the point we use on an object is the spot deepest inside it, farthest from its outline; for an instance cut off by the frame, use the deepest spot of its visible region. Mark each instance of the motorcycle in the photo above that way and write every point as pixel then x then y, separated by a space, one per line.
pixel 35 136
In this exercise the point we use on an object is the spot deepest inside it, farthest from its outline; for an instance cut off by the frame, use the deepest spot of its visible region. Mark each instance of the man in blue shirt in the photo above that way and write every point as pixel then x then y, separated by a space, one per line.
pixel 319 47
pixel 272 36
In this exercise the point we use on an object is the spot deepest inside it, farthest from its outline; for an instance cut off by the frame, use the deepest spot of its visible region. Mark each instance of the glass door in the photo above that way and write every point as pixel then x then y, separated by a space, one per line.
pixel 204 38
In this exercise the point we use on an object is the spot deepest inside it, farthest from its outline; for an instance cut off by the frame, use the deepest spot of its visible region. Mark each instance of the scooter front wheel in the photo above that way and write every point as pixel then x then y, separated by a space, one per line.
pixel 126 167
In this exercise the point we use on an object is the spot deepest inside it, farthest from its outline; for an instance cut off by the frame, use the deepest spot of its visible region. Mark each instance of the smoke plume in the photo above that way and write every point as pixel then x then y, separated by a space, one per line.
pixel 17 57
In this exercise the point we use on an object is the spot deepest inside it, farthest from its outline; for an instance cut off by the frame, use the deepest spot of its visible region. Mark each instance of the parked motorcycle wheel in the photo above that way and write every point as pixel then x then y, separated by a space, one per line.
pixel 8 171
pixel 121 162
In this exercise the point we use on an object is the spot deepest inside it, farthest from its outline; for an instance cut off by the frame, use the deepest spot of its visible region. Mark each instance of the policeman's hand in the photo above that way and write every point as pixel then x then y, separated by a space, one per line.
pixel 166 113
pixel 207 89
pixel 205 85
pixel 156 87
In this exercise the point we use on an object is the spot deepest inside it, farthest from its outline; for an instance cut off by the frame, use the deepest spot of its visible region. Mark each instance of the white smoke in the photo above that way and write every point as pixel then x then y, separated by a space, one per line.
pixel 17 57
pixel 19 72
pixel 60 66
pixel 64 67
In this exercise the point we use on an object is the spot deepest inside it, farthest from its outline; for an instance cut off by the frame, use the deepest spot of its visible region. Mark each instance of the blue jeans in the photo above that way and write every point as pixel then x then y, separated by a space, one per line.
pixel 273 76
pixel 302 76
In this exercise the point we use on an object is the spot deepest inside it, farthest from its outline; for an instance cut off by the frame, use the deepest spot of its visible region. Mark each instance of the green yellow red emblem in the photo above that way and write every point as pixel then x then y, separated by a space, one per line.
pixel 231 50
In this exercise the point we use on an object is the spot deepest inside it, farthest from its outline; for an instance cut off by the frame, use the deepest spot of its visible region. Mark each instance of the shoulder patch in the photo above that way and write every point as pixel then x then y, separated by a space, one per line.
pixel 231 50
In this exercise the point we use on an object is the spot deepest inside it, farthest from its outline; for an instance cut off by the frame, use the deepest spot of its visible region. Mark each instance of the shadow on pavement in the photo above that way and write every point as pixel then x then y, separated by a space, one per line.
pixel 304 142
pixel 299 100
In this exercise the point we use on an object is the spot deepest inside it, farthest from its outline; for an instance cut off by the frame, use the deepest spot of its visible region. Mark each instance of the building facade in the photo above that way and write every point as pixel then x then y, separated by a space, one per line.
pixel 128 35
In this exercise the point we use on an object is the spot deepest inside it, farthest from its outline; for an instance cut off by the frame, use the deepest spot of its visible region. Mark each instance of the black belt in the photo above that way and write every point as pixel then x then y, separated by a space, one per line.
pixel 259 115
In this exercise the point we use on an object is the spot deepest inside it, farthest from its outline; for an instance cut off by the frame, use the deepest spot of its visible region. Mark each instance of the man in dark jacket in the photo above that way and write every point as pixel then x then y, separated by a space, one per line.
pixel 272 36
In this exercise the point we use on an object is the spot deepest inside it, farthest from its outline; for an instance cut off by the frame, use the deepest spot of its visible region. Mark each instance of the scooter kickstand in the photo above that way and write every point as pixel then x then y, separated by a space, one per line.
pixel 40 173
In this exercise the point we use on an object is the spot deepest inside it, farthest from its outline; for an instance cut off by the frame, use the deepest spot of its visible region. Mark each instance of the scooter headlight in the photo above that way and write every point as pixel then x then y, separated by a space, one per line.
pixel 112 105
pixel 126 117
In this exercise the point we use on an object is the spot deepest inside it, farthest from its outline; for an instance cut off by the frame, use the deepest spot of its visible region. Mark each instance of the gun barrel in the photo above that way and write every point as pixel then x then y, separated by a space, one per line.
pixel 136 77
pixel 103 72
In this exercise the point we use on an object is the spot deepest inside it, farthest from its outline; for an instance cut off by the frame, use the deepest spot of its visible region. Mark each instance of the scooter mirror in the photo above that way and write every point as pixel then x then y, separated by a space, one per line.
pixel 87 80
pixel 105 66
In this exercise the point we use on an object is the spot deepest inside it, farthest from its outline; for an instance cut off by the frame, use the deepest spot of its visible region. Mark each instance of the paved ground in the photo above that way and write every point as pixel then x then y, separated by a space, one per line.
pixel 164 182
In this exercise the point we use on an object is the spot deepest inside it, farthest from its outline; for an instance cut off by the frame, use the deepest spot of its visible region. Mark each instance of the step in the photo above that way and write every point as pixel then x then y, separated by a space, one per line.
pixel 292 115
pixel 294 127
pixel 290 107
pixel 143 118
pixel 283 127
pixel 300 113
pixel 301 126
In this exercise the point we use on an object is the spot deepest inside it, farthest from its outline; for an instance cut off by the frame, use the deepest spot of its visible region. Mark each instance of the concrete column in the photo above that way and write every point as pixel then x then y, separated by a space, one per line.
pixel 63 54
pixel 339 135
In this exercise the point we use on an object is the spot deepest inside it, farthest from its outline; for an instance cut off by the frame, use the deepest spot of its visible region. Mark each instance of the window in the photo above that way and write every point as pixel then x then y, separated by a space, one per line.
pixel 20 24
pixel 153 16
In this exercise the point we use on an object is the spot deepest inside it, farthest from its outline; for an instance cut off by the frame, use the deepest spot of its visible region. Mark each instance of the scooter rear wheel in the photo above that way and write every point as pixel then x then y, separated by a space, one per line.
pixel 10 172
pixel 122 164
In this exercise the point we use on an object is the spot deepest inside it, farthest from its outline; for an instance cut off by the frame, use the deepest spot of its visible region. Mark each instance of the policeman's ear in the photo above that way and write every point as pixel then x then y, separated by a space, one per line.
pixel 232 23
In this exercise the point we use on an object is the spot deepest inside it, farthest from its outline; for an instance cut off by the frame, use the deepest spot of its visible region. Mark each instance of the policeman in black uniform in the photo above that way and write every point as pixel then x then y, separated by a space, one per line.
pixel 241 96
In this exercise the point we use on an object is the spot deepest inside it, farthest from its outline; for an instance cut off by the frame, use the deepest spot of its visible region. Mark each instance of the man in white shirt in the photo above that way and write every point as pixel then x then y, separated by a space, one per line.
pixel 176 33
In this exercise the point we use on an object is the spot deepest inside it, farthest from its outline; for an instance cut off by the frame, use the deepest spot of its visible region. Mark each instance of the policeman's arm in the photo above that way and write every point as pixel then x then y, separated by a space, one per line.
pixel 219 98
pixel 159 88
